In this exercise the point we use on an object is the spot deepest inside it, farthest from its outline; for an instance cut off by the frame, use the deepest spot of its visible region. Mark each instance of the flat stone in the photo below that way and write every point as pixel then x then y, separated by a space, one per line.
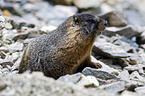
pixel 109 50
pixel 124 75
pixel 105 66
pixel 71 78
pixel 127 31
pixel 102 76
pixel 4 49
pixel 20 36
pixel 2 54
pixel 86 4
pixel 114 87
pixel 17 46
pixel 114 18
pixel 4 63
pixel 140 90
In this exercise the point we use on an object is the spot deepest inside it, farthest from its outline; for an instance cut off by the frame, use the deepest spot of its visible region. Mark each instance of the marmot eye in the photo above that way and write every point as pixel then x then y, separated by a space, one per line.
pixel 76 20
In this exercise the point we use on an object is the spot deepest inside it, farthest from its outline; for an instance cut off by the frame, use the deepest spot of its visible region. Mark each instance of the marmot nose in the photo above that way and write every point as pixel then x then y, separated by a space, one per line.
pixel 104 21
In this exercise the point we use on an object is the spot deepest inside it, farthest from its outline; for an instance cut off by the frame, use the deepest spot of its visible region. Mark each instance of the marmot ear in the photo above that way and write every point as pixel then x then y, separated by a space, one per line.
pixel 76 20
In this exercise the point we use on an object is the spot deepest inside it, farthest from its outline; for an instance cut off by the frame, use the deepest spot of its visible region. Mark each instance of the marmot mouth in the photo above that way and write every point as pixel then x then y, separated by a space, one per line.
pixel 102 25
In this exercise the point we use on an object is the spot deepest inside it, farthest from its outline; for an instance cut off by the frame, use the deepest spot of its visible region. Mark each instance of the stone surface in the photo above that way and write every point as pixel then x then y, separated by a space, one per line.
pixel 2 21
pixel 15 47
pixel 109 50
pixel 114 87
pixel 114 18
pixel 36 84
pixel 127 31
pixel 102 76
pixel 86 4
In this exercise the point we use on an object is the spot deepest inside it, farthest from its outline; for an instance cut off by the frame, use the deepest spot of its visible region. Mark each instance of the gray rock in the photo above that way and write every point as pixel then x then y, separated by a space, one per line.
pixel 88 81
pixel 127 31
pixel 8 26
pixel 80 79
pixel 134 17
pixel 4 63
pixel 114 18
pixel 130 93
pixel 15 47
pixel 131 85
pixel 66 2
pixel 2 86
pixel 20 36
pixel 109 50
pixel 105 66
pixel 13 56
pixel 8 34
pixel 2 55
pixel 114 87
pixel 2 21
pixel 132 68
pixel 124 75
pixel 4 49
pixel 87 4
pixel 140 90
pixel 36 85
pixel 102 76
pixel 71 78
pixel 135 76
pixel 127 44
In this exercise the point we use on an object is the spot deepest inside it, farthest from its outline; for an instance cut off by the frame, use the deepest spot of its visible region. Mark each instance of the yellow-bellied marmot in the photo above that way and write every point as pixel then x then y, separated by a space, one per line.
pixel 64 50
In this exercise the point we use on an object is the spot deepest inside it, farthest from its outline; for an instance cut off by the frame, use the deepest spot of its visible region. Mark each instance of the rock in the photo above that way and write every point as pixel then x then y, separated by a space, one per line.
pixel 8 26
pixel 37 84
pixel 114 18
pixel 140 90
pixel 5 62
pixel 124 75
pixel 134 17
pixel 47 29
pixel 141 38
pixel 15 47
pixel 2 86
pixel 8 34
pixel 2 55
pixel 109 50
pixel 131 85
pixel 14 56
pixel 105 66
pixel 80 79
pixel 129 93
pixel 86 4
pixel 114 87
pixel 102 76
pixel 88 82
pixel 127 31
pixel 55 15
pixel 139 58
pixel 66 2
pixel 2 21
pixel 4 49
pixel 127 44
pixel 132 68
pixel 71 78
pixel 135 75
pixel 20 36
pixel 106 8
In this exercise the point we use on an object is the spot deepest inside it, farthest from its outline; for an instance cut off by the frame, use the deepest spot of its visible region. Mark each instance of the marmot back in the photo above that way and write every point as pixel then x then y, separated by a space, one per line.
pixel 64 50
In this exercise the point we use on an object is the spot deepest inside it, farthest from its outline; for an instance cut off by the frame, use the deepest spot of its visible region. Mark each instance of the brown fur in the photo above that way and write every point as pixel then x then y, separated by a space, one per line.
pixel 65 50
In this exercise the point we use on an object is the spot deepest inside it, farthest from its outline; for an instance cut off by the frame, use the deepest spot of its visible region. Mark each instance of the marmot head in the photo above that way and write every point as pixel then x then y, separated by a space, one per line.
pixel 83 26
